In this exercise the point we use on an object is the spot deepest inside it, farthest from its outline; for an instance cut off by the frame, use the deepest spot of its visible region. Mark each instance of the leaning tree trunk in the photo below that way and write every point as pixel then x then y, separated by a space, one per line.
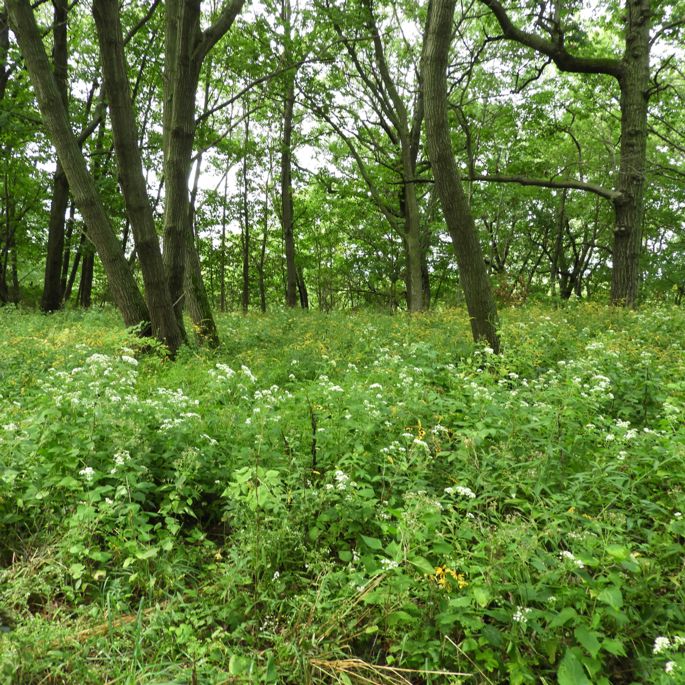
pixel 122 285
pixel 138 207
pixel 635 89
pixel 472 273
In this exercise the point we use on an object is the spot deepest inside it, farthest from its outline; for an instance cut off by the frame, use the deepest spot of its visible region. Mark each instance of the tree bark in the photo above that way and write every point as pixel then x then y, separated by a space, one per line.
pixel 124 290
pixel 472 273
pixel 287 215
pixel 245 300
pixel 629 206
pixel 4 51
pixel 85 288
pixel 132 178
pixel 186 47
pixel 222 269
pixel 51 299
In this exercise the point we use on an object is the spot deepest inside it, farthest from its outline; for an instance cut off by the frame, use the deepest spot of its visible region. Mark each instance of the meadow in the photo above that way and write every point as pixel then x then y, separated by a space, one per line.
pixel 344 498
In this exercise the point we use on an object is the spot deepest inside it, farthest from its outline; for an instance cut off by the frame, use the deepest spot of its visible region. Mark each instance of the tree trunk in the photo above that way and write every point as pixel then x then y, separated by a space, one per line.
pixel 558 254
pixel 180 86
pixel 245 238
pixel 4 51
pixel 287 217
pixel 302 289
pixel 51 299
pixel 472 273
pixel 74 268
pixel 183 60
pixel 199 306
pixel 124 290
pixel 412 233
pixel 132 178
pixel 85 288
pixel 629 207
pixel 222 270
pixel 262 252
pixel 66 252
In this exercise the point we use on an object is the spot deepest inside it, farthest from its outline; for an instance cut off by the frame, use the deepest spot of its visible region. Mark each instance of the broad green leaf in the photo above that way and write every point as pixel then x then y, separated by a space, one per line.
pixel 571 671
pixel 611 596
pixel 373 543
pixel 588 639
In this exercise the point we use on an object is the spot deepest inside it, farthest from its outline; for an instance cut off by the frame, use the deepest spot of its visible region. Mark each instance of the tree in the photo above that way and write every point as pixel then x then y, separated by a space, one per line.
pixel 115 73
pixel 632 72
pixel 472 273
pixel 99 229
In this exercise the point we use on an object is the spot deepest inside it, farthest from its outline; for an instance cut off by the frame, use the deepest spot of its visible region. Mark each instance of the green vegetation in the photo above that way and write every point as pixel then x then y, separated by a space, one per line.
pixel 328 498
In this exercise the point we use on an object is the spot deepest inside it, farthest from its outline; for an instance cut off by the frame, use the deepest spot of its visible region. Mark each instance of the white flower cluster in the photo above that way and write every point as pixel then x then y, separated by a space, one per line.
pixel 222 372
pixel 521 615
pixel 565 555
pixel 460 490
pixel 88 473
pixel 663 644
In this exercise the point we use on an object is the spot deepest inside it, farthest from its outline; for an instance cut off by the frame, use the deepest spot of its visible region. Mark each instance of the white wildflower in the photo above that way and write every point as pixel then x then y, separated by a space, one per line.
pixel 88 472
pixel 341 479
pixel 661 644
pixel 248 373
pixel 521 615
pixel 569 556
pixel 388 564
pixel 129 360
pixel 670 666
pixel 120 458
pixel 95 359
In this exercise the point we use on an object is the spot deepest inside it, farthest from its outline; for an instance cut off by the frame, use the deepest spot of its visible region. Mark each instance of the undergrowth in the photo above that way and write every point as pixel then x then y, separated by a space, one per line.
pixel 344 498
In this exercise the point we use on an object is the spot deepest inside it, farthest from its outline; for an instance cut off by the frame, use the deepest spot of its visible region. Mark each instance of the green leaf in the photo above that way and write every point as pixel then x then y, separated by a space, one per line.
pixel 345 555
pixel 423 565
pixel 614 647
pixel 373 543
pixel 571 671
pixel 563 617
pixel 399 617
pixel 611 596
pixel 588 639
pixel 147 554
pixel 481 595
pixel 618 552
pixel 76 570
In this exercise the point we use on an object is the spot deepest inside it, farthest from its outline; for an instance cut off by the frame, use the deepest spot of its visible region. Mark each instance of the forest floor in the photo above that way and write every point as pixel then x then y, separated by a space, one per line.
pixel 345 498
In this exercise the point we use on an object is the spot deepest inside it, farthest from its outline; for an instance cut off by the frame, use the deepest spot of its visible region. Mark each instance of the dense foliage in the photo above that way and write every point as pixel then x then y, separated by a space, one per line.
pixel 333 499
pixel 513 115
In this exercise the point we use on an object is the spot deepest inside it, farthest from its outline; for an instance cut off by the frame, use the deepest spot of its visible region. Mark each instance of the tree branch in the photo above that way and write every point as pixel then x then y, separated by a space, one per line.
pixel 554 49
pixel 218 29
pixel 572 184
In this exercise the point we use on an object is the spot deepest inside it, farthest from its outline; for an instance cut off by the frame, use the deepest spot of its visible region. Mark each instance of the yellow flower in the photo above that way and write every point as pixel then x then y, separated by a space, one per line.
pixel 445 576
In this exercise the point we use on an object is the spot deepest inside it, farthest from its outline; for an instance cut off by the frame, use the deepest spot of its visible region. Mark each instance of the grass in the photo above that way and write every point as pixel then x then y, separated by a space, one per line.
pixel 344 498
